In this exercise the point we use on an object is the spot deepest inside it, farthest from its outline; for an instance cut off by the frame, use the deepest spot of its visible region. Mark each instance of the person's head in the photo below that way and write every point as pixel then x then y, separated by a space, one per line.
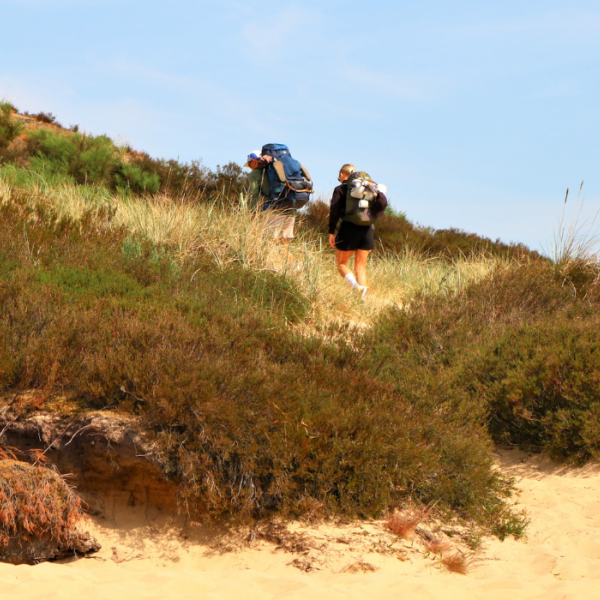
pixel 345 172
pixel 252 160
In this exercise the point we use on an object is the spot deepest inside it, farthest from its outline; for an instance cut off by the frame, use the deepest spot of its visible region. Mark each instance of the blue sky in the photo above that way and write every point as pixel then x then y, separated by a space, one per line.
pixel 476 115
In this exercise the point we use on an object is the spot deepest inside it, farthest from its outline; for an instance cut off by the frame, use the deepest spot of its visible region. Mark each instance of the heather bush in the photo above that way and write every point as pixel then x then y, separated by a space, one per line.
pixel 542 386
pixel 192 181
pixel 46 117
pixel 39 515
pixel 177 180
pixel 250 416
pixel 519 347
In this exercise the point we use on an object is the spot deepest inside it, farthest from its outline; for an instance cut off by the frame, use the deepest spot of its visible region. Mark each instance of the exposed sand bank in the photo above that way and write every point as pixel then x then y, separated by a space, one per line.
pixel 148 555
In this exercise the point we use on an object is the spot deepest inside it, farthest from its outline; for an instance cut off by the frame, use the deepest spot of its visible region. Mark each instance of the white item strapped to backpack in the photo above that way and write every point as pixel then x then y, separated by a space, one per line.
pixel 366 191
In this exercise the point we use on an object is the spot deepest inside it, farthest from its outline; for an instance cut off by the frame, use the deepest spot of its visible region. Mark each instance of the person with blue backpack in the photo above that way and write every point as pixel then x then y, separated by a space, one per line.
pixel 258 180
pixel 278 184
pixel 358 201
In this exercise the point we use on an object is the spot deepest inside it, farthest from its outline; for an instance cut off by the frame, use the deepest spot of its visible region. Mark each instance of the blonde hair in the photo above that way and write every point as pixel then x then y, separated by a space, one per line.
pixel 347 169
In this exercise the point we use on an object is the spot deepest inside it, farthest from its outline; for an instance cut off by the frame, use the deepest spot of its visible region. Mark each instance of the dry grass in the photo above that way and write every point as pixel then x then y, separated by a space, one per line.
pixel 403 523
pixel 360 566
pixel 232 233
pixel 437 547
pixel 449 556
pixel 457 563
pixel 574 247
pixel 35 501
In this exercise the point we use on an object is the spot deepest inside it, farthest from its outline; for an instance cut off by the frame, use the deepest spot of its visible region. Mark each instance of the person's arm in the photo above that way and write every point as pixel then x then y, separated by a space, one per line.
pixel 335 211
pixel 263 161
pixel 255 179
pixel 259 188
pixel 335 207
pixel 265 185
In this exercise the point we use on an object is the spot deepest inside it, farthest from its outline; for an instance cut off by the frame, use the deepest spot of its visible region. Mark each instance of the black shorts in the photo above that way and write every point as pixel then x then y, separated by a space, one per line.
pixel 352 237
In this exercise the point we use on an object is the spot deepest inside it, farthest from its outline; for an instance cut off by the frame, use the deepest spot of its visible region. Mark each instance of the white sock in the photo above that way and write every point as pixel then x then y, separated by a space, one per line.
pixel 351 280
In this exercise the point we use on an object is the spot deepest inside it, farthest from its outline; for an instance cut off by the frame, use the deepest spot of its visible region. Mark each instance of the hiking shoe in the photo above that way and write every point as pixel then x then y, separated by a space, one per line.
pixel 362 291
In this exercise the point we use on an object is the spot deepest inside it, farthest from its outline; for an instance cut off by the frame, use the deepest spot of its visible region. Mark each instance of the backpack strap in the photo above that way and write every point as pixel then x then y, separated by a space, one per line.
pixel 305 172
pixel 278 166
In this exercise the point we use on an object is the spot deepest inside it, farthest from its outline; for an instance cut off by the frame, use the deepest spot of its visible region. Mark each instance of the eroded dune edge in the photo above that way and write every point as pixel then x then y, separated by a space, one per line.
pixel 153 553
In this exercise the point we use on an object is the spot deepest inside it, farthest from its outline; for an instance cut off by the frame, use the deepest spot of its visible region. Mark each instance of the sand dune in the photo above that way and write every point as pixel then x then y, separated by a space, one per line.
pixel 148 555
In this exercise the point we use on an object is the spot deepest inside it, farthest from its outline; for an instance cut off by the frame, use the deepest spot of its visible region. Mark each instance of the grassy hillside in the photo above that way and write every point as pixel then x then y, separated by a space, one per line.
pixel 44 147
pixel 267 387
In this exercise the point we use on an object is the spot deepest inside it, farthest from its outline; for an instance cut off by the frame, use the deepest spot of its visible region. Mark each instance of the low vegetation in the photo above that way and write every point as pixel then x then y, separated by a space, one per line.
pixel 34 501
pixel 267 388
pixel 251 415
pixel 60 155
pixel 39 515
pixel 521 343
pixel 403 523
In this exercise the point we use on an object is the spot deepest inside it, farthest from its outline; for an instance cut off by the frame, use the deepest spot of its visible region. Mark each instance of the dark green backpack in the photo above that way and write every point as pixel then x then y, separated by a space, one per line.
pixel 358 200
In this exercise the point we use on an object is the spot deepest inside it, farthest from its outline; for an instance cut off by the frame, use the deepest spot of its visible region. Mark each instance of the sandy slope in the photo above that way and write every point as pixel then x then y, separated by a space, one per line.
pixel 169 560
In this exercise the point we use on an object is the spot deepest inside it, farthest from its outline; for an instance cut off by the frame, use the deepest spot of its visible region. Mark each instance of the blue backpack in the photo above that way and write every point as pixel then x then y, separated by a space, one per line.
pixel 291 183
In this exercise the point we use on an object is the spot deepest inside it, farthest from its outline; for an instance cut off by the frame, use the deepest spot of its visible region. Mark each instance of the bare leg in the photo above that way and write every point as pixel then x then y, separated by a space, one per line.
pixel 360 266
pixel 341 261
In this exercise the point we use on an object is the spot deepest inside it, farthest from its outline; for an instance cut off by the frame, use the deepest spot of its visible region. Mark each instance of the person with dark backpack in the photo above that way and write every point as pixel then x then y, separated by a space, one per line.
pixel 358 201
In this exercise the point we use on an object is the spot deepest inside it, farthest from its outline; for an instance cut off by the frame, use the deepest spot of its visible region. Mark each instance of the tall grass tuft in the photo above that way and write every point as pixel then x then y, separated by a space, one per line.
pixel 574 247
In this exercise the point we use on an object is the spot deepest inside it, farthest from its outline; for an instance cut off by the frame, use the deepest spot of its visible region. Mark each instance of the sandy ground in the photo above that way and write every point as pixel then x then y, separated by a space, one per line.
pixel 150 556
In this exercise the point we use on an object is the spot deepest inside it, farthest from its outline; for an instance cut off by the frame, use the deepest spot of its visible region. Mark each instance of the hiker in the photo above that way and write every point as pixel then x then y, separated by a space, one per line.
pixel 356 233
pixel 280 185
pixel 259 181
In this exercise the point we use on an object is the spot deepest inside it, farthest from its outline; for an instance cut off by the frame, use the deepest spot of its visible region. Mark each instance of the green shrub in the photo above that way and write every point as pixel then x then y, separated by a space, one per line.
pixel 131 177
pixel 96 160
pixel 87 159
pixel 541 382
pixel 6 106
pixel 10 128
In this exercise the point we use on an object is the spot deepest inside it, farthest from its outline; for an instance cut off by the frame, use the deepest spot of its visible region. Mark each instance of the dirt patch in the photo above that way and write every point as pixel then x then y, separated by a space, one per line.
pixel 103 455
